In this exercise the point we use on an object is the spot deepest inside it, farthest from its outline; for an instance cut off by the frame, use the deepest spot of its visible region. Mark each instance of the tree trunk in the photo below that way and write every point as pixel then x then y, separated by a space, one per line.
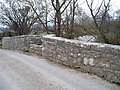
pixel 58 33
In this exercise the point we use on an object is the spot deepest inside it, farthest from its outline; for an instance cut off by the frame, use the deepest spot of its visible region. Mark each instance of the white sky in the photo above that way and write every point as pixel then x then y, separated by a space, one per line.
pixel 115 4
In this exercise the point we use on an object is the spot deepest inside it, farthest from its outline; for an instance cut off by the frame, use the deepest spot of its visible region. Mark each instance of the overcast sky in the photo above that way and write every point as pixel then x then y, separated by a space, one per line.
pixel 115 4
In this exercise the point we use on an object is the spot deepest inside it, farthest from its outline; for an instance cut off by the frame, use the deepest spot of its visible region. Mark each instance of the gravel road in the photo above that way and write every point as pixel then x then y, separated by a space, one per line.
pixel 19 71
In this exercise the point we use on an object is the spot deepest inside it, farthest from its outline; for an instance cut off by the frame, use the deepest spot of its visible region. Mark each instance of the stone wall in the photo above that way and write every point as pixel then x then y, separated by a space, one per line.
pixel 37 49
pixel 102 60
pixel 20 42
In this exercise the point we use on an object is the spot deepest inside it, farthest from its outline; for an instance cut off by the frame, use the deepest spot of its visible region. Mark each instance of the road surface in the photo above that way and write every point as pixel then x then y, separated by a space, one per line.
pixel 20 71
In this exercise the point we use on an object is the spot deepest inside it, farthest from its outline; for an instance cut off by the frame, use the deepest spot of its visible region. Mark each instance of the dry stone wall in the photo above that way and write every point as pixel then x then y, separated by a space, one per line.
pixel 102 60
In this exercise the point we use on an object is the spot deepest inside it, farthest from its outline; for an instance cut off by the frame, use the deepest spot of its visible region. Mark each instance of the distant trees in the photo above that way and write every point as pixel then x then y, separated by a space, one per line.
pixel 117 28
pixel 106 25
pixel 99 17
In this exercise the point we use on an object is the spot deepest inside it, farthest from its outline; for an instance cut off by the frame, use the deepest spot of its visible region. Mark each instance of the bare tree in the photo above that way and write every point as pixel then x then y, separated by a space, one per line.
pixel 99 22
pixel 73 9
pixel 42 11
pixel 83 23
pixel 59 9
pixel 73 12
pixel 17 16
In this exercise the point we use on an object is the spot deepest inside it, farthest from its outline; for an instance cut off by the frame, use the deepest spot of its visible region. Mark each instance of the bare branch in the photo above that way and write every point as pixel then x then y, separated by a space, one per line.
pixel 99 8
pixel 52 1
pixel 37 14
pixel 66 6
